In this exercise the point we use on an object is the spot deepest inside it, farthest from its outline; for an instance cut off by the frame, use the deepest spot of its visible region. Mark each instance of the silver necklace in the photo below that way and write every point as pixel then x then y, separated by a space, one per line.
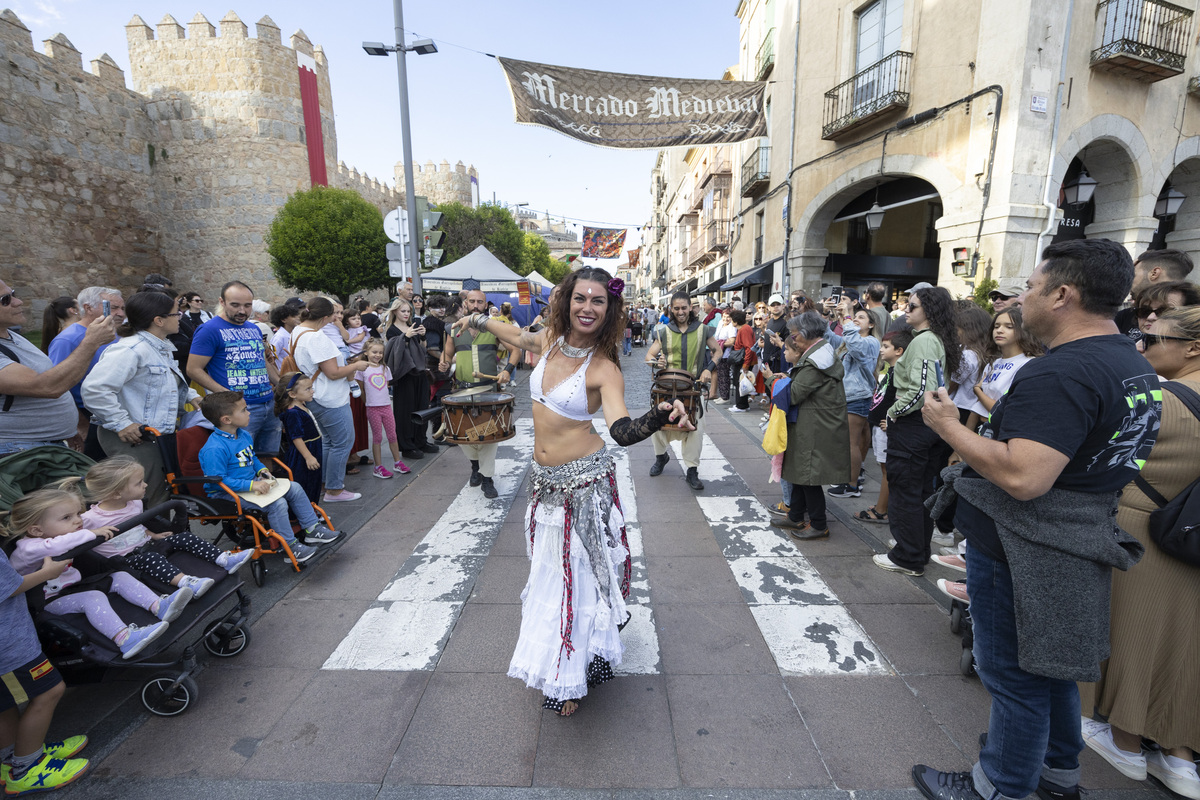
pixel 575 352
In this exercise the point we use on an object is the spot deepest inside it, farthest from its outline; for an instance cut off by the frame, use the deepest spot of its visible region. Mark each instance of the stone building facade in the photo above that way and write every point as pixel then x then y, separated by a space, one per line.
pixel 182 174
pixel 969 123
pixel 441 184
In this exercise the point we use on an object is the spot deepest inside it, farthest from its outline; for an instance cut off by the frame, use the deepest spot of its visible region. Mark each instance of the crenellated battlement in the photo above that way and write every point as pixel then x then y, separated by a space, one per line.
pixel 59 50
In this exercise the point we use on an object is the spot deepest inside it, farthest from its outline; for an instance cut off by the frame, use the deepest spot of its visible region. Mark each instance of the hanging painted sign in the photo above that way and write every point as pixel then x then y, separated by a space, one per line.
pixel 612 109
pixel 635 257
pixel 602 242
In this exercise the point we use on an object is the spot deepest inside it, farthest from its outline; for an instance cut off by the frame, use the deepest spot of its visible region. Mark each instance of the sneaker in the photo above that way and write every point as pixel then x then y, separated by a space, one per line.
pixel 301 552
pixel 381 472
pixel 891 543
pixel 936 785
pixel 719 401
pixel 320 534
pixel 67 747
pixel 883 562
pixel 955 590
pixel 168 607
pixel 942 539
pixel 955 562
pixel 231 562
pixel 1098 736
pixel 402 468
pixel 1176 774
pixel 198 585
pixel 946 551
pixel 736 410
pixel 136 638
pixel 340 496
pixel 845 490
pixel 49 773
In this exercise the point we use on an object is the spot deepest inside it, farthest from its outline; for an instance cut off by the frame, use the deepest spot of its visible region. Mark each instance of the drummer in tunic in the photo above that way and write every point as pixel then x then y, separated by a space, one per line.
pixel 474 354
pixel 684 344
pixel 573 605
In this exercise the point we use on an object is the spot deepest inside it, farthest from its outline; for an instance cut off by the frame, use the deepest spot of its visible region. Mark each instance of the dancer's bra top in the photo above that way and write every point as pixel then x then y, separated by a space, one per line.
pixel 569 398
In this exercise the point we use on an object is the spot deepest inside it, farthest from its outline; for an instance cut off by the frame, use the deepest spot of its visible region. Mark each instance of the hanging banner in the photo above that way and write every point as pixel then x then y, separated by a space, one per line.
pixel 635 257
pixel 523 293
pixel 602 242
pixel 611 109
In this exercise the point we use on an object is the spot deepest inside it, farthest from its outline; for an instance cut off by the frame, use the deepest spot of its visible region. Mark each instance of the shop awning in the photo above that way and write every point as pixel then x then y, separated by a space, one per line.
pixel 714 286
pixel 688 286
pixel 755 277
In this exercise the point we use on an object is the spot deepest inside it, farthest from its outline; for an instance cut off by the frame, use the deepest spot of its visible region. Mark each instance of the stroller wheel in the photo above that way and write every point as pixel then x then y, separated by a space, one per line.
pixel 225 640
pixel 159 698
pixel 966 662
pixel 258 571
pixel 956 617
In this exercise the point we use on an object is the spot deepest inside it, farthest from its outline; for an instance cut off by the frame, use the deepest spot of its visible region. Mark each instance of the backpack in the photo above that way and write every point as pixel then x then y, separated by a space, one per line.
pixel 289 361
pixel 1175 525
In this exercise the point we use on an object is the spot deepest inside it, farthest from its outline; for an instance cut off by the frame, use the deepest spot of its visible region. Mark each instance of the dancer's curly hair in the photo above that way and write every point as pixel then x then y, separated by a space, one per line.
pixel 939 310
pixel 612 328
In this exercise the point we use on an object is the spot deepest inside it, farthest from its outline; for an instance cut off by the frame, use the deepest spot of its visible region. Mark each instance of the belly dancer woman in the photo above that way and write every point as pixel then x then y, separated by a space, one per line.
pixel 573 606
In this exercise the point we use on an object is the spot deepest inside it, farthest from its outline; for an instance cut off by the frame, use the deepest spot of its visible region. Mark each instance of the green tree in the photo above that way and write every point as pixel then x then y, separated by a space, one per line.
pixel 536 255
pixel 490 226
pixel 980 296
pixel 556 270
pixel 329 241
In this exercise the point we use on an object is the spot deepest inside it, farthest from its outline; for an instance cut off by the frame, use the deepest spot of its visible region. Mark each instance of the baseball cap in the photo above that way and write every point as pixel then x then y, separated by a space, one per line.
pixel 1010 287
pixel 920 286
pixel 775 298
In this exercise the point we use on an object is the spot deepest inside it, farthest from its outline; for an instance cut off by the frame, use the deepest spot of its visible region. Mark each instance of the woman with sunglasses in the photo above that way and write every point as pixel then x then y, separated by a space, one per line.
pixel 1149 687
pixel 1157 299
pixel 137 382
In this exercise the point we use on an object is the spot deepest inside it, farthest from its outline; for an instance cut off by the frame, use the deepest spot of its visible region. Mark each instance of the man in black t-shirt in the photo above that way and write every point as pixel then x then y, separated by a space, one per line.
pixel 1081 419
pixel 772 352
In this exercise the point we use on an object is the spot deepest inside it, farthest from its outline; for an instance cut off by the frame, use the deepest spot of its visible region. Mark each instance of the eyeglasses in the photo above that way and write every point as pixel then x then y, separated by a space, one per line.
pixel 1145 311
pixel 196 300
pixel 8 298
pixel 912 307
pixel 175 314
pixel 994 296
pixel 1158 338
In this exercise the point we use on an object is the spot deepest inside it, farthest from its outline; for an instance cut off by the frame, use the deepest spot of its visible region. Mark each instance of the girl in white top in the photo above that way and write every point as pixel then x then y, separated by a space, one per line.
pixel 318 356
pixel 573 605
pixel 1012 347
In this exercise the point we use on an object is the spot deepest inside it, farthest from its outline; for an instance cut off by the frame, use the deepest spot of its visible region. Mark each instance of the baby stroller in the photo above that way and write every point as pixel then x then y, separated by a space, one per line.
pixel 80 652
pixel 638 330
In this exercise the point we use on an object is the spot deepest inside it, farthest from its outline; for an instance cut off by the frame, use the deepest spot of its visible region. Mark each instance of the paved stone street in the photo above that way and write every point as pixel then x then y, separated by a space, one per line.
pixel 755 667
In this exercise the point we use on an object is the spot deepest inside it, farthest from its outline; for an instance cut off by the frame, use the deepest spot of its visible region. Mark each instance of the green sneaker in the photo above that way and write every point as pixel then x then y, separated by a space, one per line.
pixel 45 775
pixel 64 749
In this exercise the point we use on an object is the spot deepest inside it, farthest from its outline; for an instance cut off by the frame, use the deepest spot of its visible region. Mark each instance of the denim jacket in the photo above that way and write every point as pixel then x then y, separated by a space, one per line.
pixel 137 381
pixel 859 360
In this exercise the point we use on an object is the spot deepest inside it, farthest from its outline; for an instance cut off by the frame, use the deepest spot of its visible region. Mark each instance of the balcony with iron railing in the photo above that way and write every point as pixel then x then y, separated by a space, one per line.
pixel 697 252
pixel 879 88
pixel 756 172
pixel 716 236
pixel 1146 40
pixel 764 62
pixel 717 165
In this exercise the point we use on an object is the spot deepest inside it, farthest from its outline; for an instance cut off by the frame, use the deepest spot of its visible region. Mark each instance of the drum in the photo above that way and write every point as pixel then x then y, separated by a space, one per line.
pixel 475 417
pixel 677 384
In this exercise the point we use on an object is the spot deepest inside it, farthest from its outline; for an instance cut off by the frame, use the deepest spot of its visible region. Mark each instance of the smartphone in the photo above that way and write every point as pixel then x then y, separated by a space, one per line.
pixel 107 306
pixel 836 294
pixel 941 379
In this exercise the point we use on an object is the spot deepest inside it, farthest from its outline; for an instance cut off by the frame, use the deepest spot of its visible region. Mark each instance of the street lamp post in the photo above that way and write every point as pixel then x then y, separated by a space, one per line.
pixel 420 47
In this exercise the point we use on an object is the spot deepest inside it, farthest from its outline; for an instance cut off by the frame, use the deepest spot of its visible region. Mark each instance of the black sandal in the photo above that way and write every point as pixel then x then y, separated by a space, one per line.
pixel 871 515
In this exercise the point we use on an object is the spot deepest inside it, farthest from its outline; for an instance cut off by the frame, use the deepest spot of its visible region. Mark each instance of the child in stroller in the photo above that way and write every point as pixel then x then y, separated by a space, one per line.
pixel 118 484
pixel 48 523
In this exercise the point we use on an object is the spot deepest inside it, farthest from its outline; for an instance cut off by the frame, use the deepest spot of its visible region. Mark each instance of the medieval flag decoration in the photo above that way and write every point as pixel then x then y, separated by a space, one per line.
pixel 635 257
pixel 602 242
pixel 612 109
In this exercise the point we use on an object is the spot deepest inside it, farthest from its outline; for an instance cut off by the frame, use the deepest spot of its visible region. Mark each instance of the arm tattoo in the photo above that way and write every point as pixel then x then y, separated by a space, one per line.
pixel 627 432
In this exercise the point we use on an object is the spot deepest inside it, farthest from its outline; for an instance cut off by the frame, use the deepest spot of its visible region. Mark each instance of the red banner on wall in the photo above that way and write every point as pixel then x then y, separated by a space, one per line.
pixel 311 102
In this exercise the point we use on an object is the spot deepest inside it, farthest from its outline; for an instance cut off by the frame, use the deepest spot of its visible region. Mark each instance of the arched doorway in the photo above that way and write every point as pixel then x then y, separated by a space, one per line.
pixel 887 233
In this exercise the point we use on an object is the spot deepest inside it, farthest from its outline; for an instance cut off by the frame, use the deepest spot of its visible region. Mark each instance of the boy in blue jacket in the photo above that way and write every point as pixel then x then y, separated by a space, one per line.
pixel 229 455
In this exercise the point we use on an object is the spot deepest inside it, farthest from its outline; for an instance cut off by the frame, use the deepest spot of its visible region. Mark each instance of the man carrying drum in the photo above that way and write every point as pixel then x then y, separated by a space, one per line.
pixel 474 355
pixel 681 345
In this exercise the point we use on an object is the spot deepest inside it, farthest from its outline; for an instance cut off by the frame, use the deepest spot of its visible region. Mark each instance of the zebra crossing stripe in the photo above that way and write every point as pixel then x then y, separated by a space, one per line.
pixel 806 627
pixel 408 625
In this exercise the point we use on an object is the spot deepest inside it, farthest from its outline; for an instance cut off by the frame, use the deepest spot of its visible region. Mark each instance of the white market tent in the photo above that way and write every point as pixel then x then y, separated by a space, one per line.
pixel 540 279
pixel 478 265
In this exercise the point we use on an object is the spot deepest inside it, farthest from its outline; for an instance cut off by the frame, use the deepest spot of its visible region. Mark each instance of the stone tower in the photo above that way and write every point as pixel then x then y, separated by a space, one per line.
pixel 441 184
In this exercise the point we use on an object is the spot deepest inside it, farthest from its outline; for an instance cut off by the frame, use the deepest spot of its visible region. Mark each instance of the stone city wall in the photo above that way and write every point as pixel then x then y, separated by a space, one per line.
pixel 101 184
pixel 440 183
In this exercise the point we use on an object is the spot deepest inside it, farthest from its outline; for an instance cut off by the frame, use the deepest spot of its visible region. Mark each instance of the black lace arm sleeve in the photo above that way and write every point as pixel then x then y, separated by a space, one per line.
pixel 626 431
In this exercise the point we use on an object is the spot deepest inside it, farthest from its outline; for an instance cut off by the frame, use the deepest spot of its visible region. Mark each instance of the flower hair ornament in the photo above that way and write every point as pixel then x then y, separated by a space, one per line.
pixel 616 286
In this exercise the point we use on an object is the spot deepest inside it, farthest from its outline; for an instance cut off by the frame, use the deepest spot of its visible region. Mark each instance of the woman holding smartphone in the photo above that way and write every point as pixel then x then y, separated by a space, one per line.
pixel 915 453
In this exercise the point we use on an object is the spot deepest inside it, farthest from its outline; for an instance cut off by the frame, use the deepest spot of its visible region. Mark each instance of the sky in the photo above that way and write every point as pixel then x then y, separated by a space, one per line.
pixel 459 104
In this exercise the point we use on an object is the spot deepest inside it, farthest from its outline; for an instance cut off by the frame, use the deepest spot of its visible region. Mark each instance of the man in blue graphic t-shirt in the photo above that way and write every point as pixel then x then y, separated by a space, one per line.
pixel 227 354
